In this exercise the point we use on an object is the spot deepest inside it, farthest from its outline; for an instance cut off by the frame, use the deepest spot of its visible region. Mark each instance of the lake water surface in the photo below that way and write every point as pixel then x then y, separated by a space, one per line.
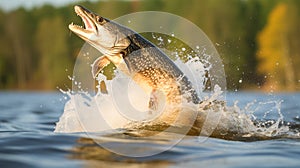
pixel 27 122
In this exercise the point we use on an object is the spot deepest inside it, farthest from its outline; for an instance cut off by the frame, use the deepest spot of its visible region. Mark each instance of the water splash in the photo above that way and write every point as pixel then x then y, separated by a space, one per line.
pixel 235 123
pixel 243 124
pixel 121 103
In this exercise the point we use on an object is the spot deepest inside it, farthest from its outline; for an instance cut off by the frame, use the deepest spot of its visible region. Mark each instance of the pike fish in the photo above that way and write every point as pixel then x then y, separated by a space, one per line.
pixel 135 56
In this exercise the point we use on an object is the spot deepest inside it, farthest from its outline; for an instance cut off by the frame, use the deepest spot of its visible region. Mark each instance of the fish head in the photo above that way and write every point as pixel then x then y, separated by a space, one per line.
pixel 106 36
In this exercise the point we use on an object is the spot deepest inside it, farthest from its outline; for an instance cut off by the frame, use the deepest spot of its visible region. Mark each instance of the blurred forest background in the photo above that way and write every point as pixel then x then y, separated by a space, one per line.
pixel 258 40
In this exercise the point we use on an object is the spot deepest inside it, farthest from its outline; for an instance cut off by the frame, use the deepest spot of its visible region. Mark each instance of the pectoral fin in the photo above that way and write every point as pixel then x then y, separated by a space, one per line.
pixel 99 64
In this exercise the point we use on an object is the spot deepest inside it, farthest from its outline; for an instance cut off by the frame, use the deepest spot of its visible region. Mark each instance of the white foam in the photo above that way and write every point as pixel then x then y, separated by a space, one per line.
pixel 125 102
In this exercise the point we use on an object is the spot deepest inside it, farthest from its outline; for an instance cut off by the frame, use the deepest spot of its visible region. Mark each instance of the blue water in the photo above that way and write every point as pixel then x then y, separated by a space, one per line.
pixel 27 121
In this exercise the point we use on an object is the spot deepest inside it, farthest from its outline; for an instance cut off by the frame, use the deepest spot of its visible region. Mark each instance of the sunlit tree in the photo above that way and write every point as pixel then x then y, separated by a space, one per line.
pixel 274 54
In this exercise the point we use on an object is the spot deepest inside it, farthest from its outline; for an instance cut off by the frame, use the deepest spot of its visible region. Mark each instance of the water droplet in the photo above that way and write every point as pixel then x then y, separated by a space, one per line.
pixel 172 34
pixel 240 81
pixel 129 21
pixel 160 39
pixel 169 41
pixel 183 49
pixel 153 36
pixel 71 78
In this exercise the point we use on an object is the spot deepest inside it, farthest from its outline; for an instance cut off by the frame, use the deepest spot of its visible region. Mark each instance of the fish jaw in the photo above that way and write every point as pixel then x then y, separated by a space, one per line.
pixel 104 35
pixel 90 28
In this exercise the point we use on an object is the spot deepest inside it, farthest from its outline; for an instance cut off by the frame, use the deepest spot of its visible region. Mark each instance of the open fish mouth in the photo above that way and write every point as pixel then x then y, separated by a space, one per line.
pixel 88 19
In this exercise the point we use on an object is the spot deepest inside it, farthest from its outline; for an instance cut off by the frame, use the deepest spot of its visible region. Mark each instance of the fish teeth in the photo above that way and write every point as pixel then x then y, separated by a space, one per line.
pixel 80 26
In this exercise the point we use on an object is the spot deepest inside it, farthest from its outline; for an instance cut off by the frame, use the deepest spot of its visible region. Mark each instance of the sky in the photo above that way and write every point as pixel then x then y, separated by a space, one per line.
pixel 8 5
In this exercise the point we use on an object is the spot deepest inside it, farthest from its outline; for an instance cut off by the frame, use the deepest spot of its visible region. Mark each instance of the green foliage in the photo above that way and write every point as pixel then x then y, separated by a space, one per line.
pixel 52 47
pixel 36 46
pixel 18 46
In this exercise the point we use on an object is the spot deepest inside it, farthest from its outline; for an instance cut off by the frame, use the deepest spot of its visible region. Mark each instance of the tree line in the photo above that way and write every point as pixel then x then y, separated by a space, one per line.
pixel 257 40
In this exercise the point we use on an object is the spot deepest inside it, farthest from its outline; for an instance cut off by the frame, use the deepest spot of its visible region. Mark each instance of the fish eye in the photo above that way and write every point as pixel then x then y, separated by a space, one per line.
pixel 100 19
